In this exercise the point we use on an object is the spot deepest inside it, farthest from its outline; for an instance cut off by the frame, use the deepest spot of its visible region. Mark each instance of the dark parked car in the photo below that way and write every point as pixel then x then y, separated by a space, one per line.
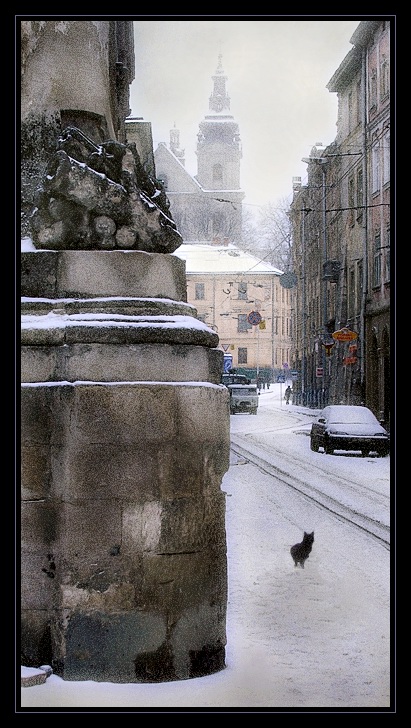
pixel 349 427
pixel 234 379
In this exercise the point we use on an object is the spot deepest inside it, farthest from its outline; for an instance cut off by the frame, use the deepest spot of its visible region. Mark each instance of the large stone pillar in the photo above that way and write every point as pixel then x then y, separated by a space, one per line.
pixel 125 425
pixel 125 440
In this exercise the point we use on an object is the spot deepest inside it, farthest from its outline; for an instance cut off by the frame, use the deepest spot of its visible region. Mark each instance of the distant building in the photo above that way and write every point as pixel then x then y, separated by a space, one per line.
pixel 226 285
pixel 209 205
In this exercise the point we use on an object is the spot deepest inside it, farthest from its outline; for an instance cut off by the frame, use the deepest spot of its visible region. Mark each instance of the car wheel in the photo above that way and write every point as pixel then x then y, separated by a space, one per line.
pixel 365 453
pixel 328 449
pixel 314 445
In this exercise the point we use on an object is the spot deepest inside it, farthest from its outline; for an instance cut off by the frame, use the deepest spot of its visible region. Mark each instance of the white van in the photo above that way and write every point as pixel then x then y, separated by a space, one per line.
pixel 243 398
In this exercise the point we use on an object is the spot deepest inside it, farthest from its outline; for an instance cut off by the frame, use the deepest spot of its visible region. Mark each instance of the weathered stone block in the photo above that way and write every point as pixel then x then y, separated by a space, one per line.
pixel 105 471
pixel 104 647
pixel 39 364
pixel 121 273
pixel 39 274
pixel 39 525
pixel 36 641
pixel 35 471
pixel 123 413
pixel 38 579
pixel 180 581
pixel 91 527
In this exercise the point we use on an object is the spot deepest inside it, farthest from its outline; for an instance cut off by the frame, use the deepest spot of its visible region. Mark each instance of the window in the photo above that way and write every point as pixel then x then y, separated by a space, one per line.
pixel 350 110
pixel 242 291
pixel 218 174
pixel 243 324
pixel 242 355
pixel 387 257
pixel 376 167
pixel 351 293
pixel 359 102
pixel 384 77
pixel 373 88
pixel 386 157
pixel 360 195
pixel 199 295
pixel 359 281
pixel 351 202
pixel 376 278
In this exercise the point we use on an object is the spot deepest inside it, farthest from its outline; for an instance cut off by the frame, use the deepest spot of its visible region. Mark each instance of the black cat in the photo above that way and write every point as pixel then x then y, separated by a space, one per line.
pixel 301 551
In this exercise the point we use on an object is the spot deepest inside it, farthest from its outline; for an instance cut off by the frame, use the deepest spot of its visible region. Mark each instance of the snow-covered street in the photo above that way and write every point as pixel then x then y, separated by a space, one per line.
pixel 317 637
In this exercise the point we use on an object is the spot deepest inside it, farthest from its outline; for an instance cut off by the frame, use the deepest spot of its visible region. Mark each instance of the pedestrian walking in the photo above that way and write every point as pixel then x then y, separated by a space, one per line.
pixel 287 394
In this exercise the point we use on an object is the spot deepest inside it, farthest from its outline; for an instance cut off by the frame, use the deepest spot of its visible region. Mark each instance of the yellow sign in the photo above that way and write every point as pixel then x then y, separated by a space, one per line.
pixel 261 325
pixel 344 334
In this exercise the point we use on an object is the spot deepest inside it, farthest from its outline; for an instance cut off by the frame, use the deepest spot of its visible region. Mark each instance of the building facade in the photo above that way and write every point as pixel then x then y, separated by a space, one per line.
pixel 341 239
pixel 242 299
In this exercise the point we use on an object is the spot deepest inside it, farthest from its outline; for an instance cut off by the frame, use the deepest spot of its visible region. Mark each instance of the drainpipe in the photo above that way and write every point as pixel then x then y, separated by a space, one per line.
pixel 365 223
pixel 303 374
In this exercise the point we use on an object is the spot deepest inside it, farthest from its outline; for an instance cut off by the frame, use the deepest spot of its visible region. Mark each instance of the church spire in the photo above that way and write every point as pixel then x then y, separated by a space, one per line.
pixel 219 100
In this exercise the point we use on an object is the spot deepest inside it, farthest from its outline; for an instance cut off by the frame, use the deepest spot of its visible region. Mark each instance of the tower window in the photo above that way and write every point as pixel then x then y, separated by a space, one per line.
pixel 200 293
pixel 218 174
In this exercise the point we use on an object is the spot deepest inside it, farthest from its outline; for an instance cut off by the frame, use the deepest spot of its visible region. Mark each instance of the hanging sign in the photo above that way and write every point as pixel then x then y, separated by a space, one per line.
pixel 344 334
pixel 328 346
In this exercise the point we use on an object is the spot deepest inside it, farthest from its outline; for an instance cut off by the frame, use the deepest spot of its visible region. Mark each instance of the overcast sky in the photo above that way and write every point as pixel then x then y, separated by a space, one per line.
pixel 277 73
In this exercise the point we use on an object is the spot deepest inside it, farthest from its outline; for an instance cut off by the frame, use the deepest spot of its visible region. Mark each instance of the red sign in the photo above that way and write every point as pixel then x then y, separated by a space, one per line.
pixel 344 334
pixel 254 318
pixel 349 360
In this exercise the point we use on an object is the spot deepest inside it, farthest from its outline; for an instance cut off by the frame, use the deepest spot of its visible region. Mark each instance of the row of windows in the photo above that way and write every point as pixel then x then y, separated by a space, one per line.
pixel 281 356
pixel 243 324
pixel 242 292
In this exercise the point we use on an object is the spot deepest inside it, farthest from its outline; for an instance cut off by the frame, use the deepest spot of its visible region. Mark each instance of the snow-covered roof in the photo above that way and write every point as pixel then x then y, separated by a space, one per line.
pixel 203 258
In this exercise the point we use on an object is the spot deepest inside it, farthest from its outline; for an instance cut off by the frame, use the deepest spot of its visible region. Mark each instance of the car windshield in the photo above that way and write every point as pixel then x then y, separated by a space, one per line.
pixel 352 415
pixel 243 391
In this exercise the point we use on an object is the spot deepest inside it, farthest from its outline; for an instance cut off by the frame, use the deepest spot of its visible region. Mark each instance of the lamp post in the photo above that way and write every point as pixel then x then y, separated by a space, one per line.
pixel 323 283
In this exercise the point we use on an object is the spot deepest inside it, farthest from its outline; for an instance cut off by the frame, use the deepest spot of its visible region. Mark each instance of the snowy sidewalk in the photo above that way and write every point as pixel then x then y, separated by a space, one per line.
pixel 312 638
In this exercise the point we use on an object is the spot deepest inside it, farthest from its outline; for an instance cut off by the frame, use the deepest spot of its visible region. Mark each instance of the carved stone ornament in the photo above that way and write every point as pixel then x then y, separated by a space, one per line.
pixel 99 197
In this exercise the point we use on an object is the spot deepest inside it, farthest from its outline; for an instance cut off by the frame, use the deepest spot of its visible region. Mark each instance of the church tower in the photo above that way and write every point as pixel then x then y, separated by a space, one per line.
pixel 218 159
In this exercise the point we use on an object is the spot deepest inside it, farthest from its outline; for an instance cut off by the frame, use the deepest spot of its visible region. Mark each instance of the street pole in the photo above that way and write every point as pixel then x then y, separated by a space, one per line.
pixel 303 376
pixel 324 260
